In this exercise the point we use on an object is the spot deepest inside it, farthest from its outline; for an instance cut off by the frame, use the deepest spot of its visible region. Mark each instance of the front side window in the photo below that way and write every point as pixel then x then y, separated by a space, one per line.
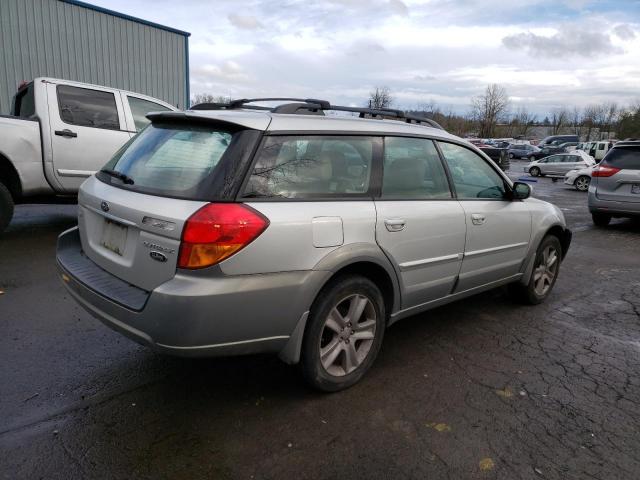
pixel 413 170
pixel 473 177
pixel 88 108
pixel 140 108
pixel 311 166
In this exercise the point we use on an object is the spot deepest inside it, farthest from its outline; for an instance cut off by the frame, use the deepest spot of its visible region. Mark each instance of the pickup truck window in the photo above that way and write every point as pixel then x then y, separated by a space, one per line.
pixel 88 108
pixel 24 104
pixel 140 108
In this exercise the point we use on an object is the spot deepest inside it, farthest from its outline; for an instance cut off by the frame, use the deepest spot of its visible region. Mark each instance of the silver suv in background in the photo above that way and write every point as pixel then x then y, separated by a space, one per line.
pixel 237 228
pixel 614 190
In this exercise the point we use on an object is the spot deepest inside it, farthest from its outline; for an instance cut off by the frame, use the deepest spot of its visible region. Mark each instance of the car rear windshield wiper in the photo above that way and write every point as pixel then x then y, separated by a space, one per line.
pixel 119 175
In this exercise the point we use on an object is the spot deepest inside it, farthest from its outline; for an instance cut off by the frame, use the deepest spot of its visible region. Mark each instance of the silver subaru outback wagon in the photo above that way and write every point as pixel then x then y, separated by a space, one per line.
pixel 238 228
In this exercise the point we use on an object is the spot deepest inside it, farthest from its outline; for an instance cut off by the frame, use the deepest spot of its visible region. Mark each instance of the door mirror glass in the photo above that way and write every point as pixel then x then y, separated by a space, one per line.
pixel 521 191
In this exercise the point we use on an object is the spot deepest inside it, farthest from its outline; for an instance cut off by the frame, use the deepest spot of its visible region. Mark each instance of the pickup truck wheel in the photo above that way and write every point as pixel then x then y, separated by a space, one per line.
pixel 534 171
pixel 546 267
pixel 6 207
pixel 582 183
pixel 344 333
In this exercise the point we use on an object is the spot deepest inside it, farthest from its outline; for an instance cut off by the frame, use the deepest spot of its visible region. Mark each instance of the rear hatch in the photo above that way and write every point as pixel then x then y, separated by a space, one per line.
pixel 618 175
pixel 132 213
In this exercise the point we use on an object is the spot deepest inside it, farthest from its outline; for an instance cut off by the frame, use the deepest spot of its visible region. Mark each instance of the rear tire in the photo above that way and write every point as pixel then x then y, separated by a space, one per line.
pixel 6 207
pixel 344 333
pixel 601 219
pixel 534 171
pixel 532 158
pixel 511 156
pixel 546 268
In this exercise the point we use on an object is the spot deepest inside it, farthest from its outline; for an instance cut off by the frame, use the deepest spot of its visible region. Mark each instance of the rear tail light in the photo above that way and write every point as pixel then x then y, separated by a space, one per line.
pixel 604 171
pixel 217 231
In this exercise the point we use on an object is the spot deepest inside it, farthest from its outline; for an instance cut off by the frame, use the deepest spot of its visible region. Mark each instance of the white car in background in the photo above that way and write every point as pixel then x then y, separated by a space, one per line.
pixel 579 178
pixel 559 164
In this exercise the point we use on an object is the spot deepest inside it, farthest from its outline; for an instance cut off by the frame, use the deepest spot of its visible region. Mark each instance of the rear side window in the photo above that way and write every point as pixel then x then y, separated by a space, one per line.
pixel 140 108
pixel 472 176
pixel 25 103
pixel 171 160
pixel 311 166
pixel 413 170
pixel 623 158
pixel 88 108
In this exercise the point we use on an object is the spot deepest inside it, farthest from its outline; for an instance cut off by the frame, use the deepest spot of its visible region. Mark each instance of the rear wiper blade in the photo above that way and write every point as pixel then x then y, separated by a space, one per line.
pixel 119 175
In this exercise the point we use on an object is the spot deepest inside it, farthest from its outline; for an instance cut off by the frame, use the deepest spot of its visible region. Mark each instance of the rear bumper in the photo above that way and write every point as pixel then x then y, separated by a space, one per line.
pixel 193 314
pixel 622 209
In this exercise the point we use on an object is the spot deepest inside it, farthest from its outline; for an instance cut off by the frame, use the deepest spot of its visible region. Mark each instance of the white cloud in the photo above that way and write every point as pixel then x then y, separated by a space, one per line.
pixel 568 42
pixel 248 22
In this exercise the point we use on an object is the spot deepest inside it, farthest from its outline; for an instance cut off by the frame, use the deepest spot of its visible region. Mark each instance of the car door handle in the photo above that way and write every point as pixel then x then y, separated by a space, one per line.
pixel 394 224
pixel 66 133
pixel 477 218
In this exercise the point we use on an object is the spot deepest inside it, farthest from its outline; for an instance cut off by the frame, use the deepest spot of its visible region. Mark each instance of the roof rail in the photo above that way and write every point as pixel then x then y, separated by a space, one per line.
pixel 312 106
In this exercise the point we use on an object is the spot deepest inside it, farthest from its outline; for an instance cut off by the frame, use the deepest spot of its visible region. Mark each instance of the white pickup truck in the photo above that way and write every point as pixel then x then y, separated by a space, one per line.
pixel 60 133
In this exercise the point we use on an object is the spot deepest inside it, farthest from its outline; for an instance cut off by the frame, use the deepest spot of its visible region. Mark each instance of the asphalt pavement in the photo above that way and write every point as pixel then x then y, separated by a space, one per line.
pixel 484 388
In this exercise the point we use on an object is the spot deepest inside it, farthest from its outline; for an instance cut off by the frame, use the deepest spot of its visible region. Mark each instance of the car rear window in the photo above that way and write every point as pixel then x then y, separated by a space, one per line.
pixel 311 166
pixel 24 105
pixel 171 160
pixel 624 157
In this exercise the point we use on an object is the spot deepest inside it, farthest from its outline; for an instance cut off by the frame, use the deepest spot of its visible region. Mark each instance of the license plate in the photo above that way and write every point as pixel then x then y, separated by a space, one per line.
pixel 114 237
pixel 635 188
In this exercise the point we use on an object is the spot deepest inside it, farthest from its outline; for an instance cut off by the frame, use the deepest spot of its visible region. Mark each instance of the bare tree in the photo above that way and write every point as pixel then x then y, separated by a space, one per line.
pixel 209 98
pixel 576 121
pixel 489 107
pixel 380 98
pixel 589 119
pixel 611 117
pixel 559 118
pixel 524 120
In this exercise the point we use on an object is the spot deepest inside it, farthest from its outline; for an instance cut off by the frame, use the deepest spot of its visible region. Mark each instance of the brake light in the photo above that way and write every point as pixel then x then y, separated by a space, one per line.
pixel 604 171
pixel 217 231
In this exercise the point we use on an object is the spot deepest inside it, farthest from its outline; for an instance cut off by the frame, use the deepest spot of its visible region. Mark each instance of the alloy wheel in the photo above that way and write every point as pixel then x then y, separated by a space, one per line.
pixel 347 335
pixel 546 270
pixel 582 183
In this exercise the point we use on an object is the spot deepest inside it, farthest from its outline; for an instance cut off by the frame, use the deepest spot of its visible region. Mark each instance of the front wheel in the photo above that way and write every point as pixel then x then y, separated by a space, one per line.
pixel 534 171
pixel 6 207
pixel 344 333
pixel 532 158
pixel 546 267
pixel 582 183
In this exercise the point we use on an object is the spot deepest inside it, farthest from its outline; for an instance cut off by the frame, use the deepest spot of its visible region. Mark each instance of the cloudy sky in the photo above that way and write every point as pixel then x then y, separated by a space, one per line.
pixel 546 53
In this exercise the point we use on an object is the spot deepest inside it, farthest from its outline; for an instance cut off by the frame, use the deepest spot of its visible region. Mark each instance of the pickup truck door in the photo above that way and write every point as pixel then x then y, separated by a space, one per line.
pixel 87 126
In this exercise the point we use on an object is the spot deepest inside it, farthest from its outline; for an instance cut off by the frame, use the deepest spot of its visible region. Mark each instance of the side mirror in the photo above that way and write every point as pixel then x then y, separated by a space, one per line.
pixel 520 191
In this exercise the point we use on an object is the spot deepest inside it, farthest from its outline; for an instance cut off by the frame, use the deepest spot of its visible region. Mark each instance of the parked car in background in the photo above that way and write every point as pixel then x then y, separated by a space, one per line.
pixel 497 154
pixel 559 165
pixel 238 231
pixel 60 133
pixel 524 151
pixel 579 178
pixel 615 185
pixel 553 148
pixel 598 150
pixel 558 139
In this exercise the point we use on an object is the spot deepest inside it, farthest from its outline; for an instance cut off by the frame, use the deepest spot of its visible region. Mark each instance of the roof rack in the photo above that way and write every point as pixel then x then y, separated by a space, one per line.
pixel 312 106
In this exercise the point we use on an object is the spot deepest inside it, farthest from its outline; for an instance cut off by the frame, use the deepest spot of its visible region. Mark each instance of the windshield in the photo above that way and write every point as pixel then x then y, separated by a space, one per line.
pixel 169 160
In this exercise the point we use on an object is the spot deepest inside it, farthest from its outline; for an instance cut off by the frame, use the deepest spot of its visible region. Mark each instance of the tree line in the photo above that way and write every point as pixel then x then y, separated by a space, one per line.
pixel 491 116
